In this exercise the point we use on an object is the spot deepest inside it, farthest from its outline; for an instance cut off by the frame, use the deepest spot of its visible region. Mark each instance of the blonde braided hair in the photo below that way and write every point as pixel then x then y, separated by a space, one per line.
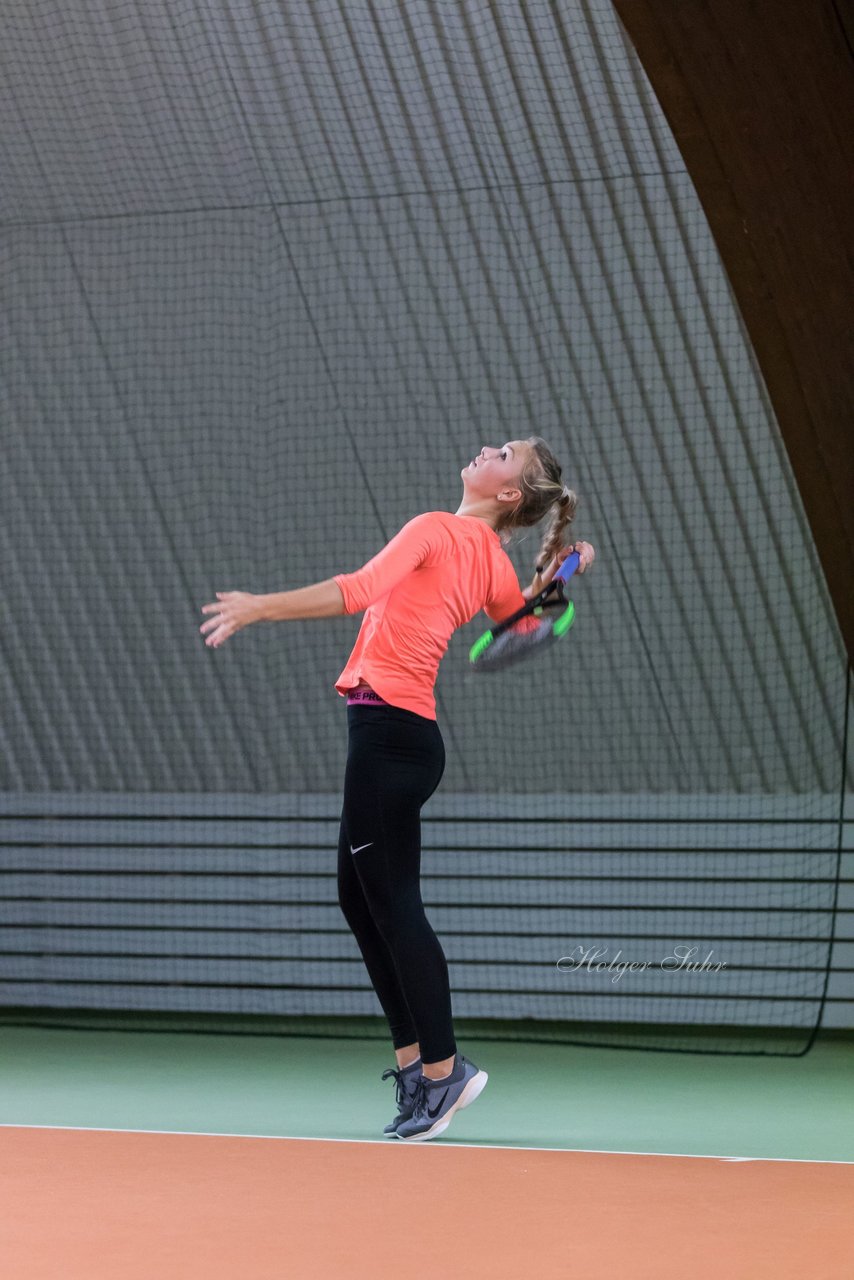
pixel 543 493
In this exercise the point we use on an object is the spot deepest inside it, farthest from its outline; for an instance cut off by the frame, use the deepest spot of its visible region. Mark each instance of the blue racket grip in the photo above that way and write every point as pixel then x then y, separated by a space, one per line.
pixel 568 567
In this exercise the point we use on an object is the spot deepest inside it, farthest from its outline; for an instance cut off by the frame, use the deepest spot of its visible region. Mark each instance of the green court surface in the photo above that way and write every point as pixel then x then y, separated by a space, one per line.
pixel 538 1095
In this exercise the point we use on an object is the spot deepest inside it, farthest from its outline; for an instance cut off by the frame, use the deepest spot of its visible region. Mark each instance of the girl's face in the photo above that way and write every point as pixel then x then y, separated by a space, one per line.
pixel 495 470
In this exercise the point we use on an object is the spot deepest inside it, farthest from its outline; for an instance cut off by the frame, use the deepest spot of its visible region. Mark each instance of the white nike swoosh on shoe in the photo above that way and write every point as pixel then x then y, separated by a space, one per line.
pixel 361 846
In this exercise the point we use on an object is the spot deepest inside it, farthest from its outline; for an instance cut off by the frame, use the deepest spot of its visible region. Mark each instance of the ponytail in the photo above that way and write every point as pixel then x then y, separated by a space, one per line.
pixel 543 495
pixel 561 517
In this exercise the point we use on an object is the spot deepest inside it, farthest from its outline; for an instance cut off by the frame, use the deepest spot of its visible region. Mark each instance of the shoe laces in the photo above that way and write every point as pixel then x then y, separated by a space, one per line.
pixel 419 1099
pixel 399 1087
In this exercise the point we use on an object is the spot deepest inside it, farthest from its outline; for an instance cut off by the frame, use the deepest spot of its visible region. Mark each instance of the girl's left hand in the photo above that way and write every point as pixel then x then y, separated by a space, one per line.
pixel 235 609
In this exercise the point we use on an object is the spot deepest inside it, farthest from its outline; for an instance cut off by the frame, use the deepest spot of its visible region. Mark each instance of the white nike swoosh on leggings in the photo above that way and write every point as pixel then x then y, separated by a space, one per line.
pixel 361 846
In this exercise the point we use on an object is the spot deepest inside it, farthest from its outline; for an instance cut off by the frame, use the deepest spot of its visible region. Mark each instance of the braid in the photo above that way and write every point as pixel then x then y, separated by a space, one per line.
pixel 544 495
pixel 561 516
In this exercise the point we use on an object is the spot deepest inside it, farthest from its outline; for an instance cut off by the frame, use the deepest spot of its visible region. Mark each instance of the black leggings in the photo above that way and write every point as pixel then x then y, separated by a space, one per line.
pixel 395 761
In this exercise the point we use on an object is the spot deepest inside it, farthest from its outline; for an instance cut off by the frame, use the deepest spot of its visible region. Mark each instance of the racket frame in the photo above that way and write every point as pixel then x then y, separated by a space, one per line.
pixel 535 606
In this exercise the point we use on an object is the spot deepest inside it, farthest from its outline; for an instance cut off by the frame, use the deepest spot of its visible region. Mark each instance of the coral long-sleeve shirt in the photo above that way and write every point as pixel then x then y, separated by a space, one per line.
pixel 432 577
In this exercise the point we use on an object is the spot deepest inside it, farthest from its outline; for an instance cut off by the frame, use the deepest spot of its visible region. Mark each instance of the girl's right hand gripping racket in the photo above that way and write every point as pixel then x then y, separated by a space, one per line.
pixel 502 646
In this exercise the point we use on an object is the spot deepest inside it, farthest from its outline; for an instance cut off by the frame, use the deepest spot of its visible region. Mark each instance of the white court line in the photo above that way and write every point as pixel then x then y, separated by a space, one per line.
pixel 387 1142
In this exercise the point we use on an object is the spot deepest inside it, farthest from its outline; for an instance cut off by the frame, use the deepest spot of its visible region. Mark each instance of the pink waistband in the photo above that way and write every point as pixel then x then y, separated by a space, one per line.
pixel 365 695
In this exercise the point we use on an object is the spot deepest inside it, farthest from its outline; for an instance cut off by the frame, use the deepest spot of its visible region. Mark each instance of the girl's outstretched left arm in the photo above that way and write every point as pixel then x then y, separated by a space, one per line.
pixel 234 610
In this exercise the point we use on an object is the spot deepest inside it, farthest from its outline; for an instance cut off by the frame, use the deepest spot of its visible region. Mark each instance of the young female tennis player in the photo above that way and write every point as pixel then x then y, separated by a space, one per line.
pixel 433 576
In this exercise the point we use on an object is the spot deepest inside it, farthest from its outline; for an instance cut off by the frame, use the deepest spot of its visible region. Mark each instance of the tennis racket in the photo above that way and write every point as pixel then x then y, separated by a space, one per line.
pixel 501 646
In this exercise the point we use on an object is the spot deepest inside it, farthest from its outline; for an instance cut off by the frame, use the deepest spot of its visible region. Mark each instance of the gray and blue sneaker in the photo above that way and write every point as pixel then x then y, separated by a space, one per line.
pixel 406 1082
pixel 435 1101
